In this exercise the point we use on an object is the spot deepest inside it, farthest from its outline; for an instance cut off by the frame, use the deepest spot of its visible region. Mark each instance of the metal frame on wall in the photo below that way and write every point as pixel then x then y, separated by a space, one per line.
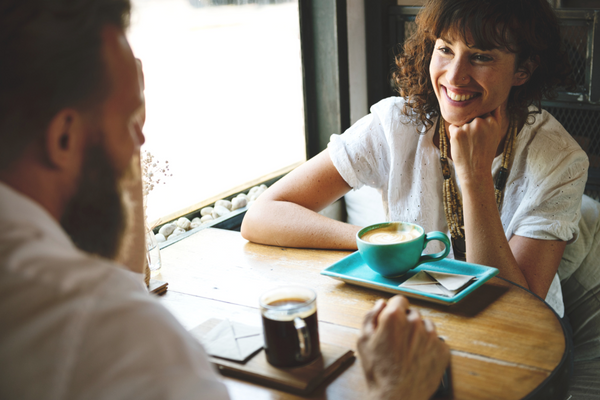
pixel 324 40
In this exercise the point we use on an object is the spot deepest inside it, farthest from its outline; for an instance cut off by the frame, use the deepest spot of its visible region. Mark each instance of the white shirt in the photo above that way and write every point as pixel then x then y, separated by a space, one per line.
pixel 73 326
pixel 542 197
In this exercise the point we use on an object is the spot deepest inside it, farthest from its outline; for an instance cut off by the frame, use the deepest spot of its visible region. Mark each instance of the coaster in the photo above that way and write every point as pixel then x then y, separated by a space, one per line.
pixel 157 287
pixel 299 380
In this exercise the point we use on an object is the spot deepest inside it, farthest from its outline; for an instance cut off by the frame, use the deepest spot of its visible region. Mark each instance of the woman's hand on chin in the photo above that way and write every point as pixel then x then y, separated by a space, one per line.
pixel 475 144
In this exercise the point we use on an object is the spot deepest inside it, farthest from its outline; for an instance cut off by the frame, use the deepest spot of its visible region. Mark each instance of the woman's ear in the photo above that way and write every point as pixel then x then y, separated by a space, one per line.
pixel 64 139
pixel 524 72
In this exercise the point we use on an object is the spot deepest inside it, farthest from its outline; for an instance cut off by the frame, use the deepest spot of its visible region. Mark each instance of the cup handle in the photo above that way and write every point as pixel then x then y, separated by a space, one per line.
pixel 303 339
pixel 436 235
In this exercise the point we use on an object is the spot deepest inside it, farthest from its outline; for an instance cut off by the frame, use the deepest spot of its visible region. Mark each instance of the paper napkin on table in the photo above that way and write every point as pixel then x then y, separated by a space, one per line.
pixel 439 283
pixel 233 341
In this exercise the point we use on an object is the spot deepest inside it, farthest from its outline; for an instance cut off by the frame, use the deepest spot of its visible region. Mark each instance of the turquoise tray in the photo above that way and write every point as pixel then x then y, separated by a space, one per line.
pixel 352 269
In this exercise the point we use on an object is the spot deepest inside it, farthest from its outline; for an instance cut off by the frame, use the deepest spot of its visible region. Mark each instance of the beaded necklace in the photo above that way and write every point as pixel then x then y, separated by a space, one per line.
pixel 452 202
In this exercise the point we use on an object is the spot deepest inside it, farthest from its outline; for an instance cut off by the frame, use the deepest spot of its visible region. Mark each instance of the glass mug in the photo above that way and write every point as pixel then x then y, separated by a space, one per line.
pixel 290 328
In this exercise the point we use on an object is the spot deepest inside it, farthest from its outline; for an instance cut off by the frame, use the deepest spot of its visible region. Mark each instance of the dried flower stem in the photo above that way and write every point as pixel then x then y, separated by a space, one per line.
pixel 153 174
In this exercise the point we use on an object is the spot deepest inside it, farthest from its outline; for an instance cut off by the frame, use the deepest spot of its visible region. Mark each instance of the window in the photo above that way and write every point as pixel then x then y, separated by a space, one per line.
pixel 224 96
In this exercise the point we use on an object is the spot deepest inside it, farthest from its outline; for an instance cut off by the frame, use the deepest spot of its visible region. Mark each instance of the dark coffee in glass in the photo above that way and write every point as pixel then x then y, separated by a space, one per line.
pixel 290 327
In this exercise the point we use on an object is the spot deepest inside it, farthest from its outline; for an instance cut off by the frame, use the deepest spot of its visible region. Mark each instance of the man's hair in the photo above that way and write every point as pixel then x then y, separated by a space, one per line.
pixel 50 59
pixel 528 28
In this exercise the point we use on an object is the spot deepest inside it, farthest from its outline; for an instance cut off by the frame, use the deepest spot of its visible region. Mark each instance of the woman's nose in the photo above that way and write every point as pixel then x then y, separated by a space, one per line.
pixel 458 73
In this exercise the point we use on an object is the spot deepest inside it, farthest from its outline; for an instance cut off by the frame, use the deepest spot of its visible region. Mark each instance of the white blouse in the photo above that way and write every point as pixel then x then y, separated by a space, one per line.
pixel 542 197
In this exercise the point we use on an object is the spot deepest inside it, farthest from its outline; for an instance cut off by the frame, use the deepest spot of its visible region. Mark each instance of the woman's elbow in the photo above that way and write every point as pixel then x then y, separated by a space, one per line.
pixel 251 225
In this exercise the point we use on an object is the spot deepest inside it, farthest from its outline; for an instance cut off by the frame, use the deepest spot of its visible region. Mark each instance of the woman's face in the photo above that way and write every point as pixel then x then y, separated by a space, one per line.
pixel 469 82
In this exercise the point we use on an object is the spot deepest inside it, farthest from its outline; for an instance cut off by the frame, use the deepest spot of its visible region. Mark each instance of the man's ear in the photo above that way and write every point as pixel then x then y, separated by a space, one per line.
pixel 524 72
pixel 64 139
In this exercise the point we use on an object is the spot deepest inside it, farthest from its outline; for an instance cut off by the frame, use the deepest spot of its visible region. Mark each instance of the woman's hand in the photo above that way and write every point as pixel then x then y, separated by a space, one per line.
pixel 475 145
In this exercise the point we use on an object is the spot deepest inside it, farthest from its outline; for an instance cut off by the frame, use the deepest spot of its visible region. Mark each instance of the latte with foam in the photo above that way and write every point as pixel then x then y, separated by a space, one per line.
pixel 391 234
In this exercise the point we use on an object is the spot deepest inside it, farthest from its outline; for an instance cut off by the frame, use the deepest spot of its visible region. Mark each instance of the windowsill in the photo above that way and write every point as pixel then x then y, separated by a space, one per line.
pixel 189 212
pixel 233 221
pixel 230 221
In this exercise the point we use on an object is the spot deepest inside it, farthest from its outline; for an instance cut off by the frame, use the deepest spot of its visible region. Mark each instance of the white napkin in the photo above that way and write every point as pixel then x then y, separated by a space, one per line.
pixel 233 341
pixel 439 283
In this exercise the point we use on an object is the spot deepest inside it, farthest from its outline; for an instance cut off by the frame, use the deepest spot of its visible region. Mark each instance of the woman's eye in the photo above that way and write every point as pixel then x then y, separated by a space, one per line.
pixel 482 58
pixel 444 50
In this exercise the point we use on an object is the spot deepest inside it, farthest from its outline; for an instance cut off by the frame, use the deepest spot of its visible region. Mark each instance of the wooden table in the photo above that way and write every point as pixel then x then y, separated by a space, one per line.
pixel 506 343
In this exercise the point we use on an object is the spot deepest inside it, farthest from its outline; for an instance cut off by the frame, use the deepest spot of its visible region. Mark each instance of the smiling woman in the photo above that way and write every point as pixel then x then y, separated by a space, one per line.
pixel 465 149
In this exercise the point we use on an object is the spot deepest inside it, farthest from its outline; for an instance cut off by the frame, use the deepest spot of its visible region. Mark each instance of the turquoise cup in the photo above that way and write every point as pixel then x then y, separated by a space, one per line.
pixel 392 259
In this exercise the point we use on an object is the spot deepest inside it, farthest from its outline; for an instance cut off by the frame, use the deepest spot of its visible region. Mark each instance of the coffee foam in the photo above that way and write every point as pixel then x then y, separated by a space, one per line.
pixel 390 234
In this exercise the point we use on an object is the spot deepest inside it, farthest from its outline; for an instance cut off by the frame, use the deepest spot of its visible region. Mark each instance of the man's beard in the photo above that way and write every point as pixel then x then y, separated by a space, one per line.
pixel 96 217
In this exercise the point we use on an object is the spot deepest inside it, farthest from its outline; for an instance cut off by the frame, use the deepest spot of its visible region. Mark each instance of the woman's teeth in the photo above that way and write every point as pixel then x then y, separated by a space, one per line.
pixel 459 97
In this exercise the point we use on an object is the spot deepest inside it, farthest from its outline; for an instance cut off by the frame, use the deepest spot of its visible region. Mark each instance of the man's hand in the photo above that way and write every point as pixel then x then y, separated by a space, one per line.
pixel 400 352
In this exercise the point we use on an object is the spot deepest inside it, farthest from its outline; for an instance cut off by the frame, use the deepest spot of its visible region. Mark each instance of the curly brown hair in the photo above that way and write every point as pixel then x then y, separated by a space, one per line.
pixel 528 28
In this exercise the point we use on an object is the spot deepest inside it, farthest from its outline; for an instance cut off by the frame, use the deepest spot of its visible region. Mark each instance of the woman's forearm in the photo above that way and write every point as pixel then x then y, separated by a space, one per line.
pixel 283 223
pixel 485 238
pixel 287 213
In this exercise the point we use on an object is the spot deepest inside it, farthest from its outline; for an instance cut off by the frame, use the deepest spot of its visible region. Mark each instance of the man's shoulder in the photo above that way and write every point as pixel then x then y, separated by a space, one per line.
pixel 30 257
pixel 84 325
pixel 54 302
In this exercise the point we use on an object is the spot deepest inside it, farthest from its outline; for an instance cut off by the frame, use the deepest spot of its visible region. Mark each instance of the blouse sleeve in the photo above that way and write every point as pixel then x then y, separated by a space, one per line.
pixel 556 175
pixel 361 155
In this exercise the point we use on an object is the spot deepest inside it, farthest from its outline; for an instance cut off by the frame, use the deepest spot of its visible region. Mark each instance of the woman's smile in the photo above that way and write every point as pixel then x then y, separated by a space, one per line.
pixel 458 96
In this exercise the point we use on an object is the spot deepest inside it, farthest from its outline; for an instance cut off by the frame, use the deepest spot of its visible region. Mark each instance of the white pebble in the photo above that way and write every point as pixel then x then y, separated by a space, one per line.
pixel 160 238
pixel 238 202
pixel 196 220
pixel 242 195
pixel 206 211
pixel 263 187
pixel 255 195
pixel 223 203
pixel 167 229
pixel 197 223
pixel 177 232
pixel 183 223
pixel 206 218
pixel 253 190
pixel 219 211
